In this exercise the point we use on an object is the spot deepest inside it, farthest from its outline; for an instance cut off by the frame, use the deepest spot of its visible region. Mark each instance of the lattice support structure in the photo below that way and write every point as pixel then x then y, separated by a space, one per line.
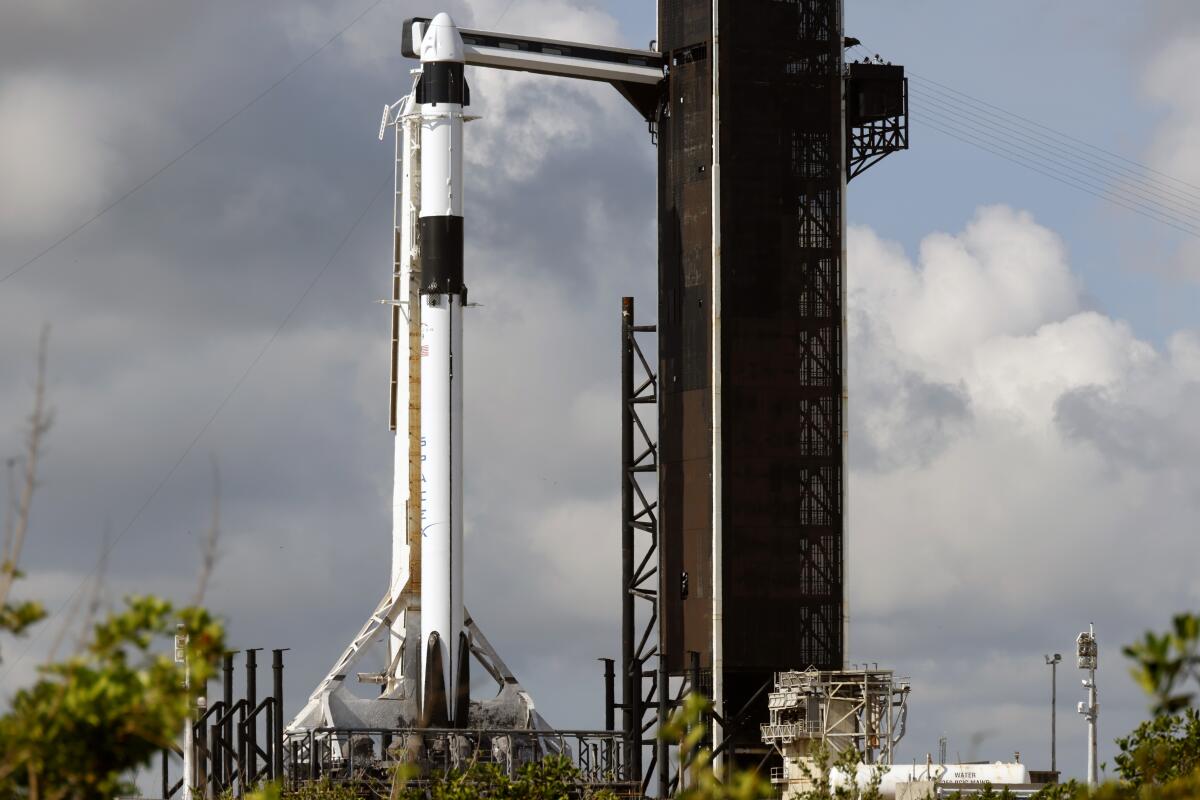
pixel 641 696
pixel 876 115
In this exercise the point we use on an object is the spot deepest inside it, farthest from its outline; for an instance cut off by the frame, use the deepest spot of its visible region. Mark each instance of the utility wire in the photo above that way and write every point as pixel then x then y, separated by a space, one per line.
pixel 212 132
pixel 1133 193
pixel 207 424
pixel 1069 151
pixel 1169 205
pixel 967 139
pixel 954 127
pixel 1068 136
pixel 1050 152
pixel 507 8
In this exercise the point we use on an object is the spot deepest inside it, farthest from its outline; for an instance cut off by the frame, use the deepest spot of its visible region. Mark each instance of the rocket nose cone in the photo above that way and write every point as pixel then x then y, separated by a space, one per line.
pixel 442 41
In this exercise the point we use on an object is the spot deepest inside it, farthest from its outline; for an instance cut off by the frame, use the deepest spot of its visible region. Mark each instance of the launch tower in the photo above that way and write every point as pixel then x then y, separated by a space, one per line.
pixel 761 126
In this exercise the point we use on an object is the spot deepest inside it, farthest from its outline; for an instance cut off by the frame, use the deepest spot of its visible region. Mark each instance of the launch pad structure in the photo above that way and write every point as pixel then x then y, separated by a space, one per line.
pixel 733 430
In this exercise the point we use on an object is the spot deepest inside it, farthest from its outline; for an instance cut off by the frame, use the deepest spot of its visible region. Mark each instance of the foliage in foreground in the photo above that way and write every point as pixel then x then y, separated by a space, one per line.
pixel 1166 664
pixel 687 729
pixel 552 778
pixel 1160 750
pixel 92 719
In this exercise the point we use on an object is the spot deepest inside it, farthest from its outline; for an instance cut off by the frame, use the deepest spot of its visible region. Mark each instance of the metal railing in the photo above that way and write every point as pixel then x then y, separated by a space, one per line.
pixel 789 731
pixel 372 756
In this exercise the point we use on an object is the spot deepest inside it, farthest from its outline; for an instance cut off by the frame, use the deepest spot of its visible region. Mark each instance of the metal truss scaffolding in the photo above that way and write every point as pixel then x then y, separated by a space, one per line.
pixel 639 544
pixel 876 115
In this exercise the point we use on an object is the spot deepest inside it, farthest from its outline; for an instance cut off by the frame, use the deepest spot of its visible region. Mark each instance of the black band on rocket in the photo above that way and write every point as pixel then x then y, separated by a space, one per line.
pixel 441 255
pixel 443 82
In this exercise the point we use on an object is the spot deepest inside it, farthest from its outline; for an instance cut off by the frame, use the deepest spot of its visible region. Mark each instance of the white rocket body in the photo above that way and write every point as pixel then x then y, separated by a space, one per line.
pixel 442 301
pixel 441 477
pixel 426 682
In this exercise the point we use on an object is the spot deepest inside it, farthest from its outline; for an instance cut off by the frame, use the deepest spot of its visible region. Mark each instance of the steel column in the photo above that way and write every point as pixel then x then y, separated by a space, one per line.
pixel 664 709
pixel 610 694
pixel 251 765
pixel 277 733
pixel 227 726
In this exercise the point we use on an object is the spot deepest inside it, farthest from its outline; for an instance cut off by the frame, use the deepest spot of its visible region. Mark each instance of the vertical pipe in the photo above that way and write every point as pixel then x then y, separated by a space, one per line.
pixel 269 727
pixel 227 727
pixel 718 553
pixel 277 695
pixel 610 709
pixel 697 689
pixel 844 356
pixel 664 771
pixel 200 745
pixel 244 781
pixel 251 764
pixel 214 759
pixel 166 776
pixel 610 694
pixel 1054 717
pixel 630 670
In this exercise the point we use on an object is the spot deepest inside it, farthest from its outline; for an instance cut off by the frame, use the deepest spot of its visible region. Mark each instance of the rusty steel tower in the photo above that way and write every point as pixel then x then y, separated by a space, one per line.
pixel 761 124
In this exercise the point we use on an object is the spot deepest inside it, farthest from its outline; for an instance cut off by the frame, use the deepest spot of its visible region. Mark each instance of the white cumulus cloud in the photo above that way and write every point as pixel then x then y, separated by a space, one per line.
pixel 1018 459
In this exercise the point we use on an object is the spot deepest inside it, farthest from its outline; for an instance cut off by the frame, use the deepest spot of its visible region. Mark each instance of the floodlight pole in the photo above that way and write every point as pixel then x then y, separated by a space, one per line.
pixel 1053 663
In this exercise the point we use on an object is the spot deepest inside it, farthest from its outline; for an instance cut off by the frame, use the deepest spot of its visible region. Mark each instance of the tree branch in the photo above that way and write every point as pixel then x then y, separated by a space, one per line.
pixel 39 423
pixel 208 551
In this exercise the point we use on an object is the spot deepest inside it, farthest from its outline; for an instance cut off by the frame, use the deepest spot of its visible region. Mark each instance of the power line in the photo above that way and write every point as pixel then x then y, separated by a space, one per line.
pixel 1169 204
pixel 1069 151
pixel 507 8
pixel 1056 131
pixel 120 199
pixel 1043 149
pixel 1133 193
pixel 953 128
pixel 110 546
pixel 967 139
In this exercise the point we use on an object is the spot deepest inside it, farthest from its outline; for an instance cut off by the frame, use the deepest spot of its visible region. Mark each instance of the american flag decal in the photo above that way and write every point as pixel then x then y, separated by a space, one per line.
pixel 424 350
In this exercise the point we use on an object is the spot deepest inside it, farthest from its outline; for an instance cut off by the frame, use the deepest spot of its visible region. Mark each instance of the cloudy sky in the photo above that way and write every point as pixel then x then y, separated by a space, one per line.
pixel 1024 361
